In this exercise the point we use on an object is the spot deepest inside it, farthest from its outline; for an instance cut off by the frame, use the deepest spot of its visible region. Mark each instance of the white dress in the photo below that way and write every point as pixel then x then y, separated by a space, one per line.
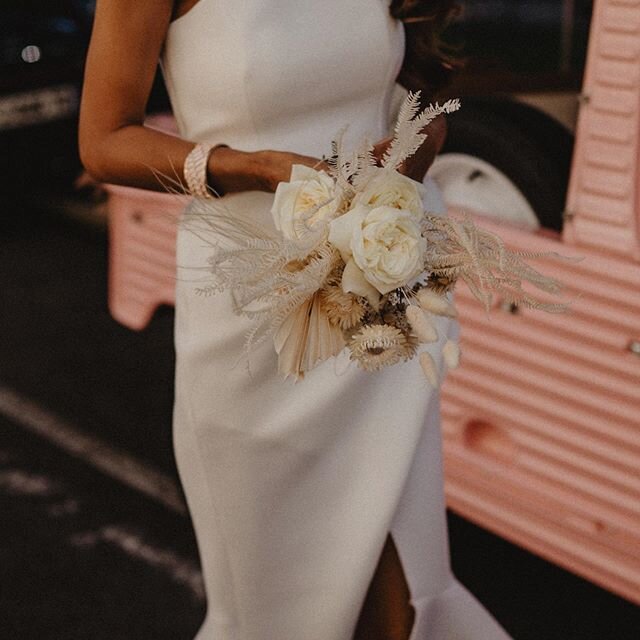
pixel 293 488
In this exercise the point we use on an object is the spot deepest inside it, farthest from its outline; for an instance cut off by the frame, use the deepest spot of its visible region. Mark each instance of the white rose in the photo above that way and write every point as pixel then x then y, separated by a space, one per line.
pixel 392 189
pixel 389 248
pixel 383 249
pixel 294 202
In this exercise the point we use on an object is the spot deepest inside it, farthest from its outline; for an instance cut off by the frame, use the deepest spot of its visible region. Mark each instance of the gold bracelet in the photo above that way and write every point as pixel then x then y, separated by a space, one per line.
pixel 195 170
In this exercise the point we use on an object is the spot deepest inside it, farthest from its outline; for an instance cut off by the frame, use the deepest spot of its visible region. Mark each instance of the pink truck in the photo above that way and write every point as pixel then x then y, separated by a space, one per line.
pixel 542 419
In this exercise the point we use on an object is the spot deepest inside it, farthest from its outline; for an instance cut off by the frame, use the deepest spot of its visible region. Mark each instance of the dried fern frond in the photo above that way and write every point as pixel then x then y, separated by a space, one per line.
pixel 460 249
pixel 408 136
pixel 351 169
pixel 255 265
pixel 342 164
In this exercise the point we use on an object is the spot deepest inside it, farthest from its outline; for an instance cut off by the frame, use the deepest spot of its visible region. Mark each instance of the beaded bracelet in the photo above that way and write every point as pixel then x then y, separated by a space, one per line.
pixel 195 170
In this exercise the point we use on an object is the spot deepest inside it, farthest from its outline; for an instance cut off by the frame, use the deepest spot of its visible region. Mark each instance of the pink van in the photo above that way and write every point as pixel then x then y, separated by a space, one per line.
pixel 542 419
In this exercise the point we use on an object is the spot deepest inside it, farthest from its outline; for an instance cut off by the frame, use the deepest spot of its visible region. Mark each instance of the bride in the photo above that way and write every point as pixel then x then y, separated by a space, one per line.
pixel 318 507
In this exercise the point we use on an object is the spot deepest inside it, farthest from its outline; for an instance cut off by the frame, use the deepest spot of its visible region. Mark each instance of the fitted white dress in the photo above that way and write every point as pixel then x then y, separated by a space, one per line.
pixel 293 487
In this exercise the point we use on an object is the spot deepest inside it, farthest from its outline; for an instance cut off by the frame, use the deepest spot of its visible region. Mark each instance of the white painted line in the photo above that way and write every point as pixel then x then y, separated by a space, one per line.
pixel 20 482
pixel 24 483
pixel 180 570
pixel 89 449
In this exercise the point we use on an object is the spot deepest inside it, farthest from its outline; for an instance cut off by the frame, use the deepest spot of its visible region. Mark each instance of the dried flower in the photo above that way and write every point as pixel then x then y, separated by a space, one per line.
pixel 392 189
pixel 421 324
pixel 451 354
pixel 436 303
pixel 460 249
pixel 382 248
pixel 296 265
pixel 393 298
pixel 440 283
pixel 305 201
pixel 430 369
pixel 396 317
pixel 379 345
pixel 344 309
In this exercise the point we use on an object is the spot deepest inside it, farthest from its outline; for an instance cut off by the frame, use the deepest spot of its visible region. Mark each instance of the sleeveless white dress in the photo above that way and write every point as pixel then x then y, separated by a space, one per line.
pixel 293 487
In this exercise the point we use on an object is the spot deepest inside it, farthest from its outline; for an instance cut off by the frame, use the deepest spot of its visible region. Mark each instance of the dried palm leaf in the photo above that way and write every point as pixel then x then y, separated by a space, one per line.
pixel 305 338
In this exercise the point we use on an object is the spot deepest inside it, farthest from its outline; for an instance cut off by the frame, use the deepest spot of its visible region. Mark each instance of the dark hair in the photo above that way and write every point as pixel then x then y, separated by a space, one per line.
pixel 427 64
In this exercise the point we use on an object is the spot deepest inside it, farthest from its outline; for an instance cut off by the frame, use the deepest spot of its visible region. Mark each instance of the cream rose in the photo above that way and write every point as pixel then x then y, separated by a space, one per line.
pixel 382 247
pixel 392 189
pixel 294 202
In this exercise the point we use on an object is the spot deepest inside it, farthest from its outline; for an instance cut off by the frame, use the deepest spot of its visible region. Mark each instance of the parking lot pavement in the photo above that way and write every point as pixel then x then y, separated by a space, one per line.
pixel 83 557
pixel 59 345
pixel 94 540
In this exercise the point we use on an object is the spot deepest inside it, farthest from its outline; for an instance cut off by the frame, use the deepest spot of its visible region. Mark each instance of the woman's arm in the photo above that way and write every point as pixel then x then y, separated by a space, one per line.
pixel 115 146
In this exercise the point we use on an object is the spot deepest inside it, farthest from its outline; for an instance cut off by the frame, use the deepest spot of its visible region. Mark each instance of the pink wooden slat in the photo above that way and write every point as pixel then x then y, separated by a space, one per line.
pixel 551 505
pixel 608 422
pixel 553 543
pixel 566 504
pixel 143 227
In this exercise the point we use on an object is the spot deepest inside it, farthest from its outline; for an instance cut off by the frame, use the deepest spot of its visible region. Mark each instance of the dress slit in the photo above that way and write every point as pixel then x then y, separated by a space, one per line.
pixel 386 613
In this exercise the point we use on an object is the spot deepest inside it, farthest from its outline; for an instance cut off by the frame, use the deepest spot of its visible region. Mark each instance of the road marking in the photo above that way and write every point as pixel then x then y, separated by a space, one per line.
pixel 180 570
pixel 183 571
pixel 117 464
pixel 24 483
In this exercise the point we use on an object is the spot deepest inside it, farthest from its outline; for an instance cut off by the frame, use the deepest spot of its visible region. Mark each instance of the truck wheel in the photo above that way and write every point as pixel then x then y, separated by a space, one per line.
pixel 508 161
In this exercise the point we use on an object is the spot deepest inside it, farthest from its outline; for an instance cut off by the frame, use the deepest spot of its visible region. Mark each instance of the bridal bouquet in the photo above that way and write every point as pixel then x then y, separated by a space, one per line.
pixel 356 262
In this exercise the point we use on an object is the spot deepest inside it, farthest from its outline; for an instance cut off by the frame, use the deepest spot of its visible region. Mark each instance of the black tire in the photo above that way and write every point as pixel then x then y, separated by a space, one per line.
pixel 531 149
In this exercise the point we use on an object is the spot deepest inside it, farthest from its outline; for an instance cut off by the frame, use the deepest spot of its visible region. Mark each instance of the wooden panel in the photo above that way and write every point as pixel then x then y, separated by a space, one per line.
pixel 542 420
pixel 603 196
pixel 142 229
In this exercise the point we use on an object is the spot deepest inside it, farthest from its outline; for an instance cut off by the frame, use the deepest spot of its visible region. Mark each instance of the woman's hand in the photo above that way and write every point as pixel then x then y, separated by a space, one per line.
pixel 417 165
pixel 277 166
pixel 231 170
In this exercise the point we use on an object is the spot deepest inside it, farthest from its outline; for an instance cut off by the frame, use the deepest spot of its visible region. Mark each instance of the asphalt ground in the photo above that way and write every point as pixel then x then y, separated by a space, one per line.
pixel 94 539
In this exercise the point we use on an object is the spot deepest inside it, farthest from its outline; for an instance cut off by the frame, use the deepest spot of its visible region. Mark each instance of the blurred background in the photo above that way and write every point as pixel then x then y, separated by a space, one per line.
pixel 542 480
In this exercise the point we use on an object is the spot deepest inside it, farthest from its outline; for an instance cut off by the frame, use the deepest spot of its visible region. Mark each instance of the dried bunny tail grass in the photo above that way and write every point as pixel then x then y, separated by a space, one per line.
pixel 451 354
pixel 421 324
pixel 460 249
pixel 343 309
pixel 430 369
pixel 379 345
pixel 435 303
